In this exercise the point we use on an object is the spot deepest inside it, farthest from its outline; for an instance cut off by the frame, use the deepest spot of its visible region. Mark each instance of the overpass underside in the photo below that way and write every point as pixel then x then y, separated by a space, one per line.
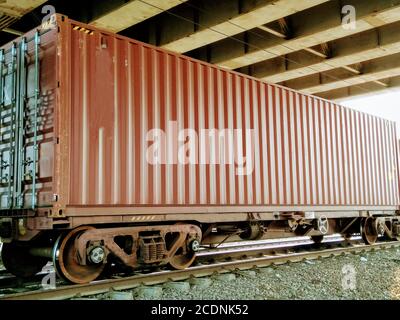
pixel 334 49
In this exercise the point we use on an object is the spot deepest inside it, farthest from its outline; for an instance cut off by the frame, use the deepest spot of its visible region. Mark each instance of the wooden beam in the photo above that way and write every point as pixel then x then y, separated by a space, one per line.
pixel 381 83
pixel 316 52
pixel 12 31
pixel 133 12
pixel 323 50
pixel 352 69
pixel 279 28
pixel 309 32
pixel 219 24
pixel 273 31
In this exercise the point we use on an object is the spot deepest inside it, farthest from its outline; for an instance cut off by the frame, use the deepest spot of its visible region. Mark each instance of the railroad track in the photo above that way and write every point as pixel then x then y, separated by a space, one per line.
pixel 202 270
pixel 226 251
pixel 251 248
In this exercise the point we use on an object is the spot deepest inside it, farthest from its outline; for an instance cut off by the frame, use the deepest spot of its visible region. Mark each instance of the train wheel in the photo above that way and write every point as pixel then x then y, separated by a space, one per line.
pixel 317 238
pixel 65 259
pixel 182 260
pixel 184 256
pixel 368 230
pixel 18 261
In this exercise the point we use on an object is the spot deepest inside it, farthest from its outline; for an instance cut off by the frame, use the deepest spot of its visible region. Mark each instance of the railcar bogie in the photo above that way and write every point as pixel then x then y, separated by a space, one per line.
pixel 82 254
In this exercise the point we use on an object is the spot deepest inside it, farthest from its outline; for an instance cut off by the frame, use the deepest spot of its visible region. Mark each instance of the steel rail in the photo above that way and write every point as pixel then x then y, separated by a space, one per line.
pixel 227 251
pixel 104 286
pixel 261 246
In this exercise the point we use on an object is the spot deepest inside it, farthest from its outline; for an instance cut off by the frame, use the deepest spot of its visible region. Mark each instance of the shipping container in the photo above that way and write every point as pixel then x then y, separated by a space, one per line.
pixel 101 95
pixel 97 128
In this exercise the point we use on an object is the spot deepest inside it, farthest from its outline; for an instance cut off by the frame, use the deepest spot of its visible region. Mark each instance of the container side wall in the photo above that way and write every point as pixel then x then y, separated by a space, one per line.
pixel 150 127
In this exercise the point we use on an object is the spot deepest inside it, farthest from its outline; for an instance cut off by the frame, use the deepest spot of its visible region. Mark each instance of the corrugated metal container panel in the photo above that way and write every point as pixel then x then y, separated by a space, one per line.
pixel 308 151
pixel 102 94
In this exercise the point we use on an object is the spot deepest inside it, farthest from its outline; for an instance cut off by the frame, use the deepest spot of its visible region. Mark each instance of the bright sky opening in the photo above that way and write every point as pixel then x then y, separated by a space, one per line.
pixel 385 105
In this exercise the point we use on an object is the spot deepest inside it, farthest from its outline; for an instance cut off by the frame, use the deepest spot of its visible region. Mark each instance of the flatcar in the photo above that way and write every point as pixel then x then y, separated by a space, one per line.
pixel 115 151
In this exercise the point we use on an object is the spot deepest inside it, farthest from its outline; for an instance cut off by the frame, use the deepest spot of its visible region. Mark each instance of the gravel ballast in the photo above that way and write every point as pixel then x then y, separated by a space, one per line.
pixel 372 275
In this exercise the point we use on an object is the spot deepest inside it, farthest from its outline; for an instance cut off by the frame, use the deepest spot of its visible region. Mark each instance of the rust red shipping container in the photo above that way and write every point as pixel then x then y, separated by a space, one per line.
pixel 111 91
